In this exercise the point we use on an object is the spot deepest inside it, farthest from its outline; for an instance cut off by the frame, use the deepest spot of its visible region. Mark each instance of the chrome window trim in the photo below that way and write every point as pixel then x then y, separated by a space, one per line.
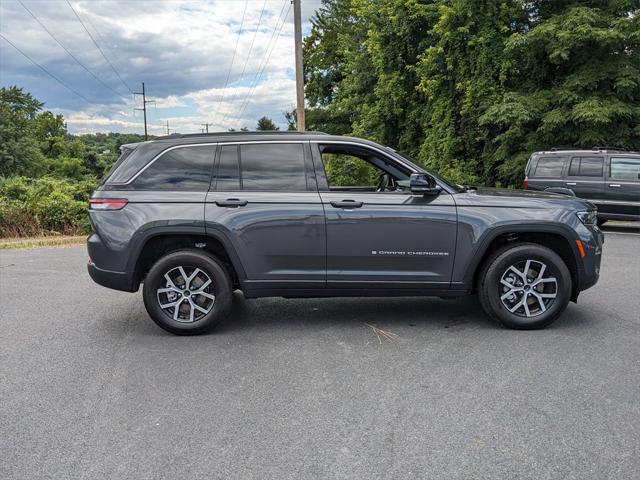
pixel 204 144
pixel 379 150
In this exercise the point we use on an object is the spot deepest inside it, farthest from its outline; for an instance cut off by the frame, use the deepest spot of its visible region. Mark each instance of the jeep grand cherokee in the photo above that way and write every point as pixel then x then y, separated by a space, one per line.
pixel 195 217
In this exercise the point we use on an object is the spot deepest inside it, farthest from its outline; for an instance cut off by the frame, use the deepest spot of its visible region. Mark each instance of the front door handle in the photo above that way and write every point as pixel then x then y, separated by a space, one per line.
pixel 571 183
pixel 231 202
pixel 615 185
pixel 347 204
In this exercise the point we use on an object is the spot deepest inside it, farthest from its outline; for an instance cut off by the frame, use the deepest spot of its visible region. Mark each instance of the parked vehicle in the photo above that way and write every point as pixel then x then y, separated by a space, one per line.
pixel 608 178
pixel 195 217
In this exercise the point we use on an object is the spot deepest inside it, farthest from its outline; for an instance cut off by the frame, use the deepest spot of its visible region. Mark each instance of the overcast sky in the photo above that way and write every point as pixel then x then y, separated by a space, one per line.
pixel 182 50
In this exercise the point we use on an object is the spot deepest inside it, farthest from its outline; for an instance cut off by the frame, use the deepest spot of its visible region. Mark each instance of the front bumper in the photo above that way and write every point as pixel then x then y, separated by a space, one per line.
pixel 593 240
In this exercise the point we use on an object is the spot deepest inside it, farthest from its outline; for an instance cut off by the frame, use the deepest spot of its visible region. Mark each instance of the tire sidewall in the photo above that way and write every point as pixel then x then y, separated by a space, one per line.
pixel 221 290
pixel 555 267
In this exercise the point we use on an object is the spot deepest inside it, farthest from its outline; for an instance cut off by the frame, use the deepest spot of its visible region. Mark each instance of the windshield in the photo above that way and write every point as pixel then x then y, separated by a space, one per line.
pixel 453 186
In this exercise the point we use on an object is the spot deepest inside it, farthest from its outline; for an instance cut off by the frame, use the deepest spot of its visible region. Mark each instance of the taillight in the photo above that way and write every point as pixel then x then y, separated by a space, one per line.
pixel 525 183
pixel 107 203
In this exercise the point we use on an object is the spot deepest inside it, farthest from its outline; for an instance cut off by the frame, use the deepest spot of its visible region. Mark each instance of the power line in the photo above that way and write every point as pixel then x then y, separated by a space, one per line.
pixel 265 58
pixel 67 50
pixel 215 113
pixel 244 67
pixel 71 89
pixel 98 46
pixel 264 64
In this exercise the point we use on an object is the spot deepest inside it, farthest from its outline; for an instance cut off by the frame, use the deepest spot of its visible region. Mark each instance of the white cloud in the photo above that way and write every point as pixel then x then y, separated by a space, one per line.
pixel 182 50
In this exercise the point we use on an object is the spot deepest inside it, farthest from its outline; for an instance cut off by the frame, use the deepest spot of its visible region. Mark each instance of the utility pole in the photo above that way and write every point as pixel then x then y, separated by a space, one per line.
pixel 144 109
pixel 206 126
pixel 168 127
pixel 297 29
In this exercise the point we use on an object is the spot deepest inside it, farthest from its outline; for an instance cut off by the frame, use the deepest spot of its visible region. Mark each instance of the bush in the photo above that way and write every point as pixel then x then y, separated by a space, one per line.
pixel 42 206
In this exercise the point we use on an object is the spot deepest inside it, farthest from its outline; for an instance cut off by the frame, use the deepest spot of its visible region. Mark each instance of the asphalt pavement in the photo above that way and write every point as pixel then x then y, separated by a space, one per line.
pixel 302 389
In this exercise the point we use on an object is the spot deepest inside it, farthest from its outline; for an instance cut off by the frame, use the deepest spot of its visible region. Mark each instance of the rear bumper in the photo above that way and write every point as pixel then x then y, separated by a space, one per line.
pixel 110 275
pixel 115 280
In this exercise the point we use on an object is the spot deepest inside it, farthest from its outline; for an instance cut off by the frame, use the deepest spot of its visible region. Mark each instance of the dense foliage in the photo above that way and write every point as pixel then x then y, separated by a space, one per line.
pixel 46 174
pixel 471 88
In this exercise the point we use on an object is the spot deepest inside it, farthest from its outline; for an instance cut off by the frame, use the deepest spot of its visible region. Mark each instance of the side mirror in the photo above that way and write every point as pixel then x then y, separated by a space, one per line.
pixel 423 184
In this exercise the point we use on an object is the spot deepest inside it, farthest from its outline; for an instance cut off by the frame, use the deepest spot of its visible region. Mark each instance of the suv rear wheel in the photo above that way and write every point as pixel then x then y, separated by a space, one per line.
pixel 187 292
pixel 524 286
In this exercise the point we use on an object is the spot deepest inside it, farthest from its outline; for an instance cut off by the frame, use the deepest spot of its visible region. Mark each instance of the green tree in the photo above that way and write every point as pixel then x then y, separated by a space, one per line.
pixel 471 88
pixel 571 79
pixel 19 152
pixel 266 124
pixel 460 76
pixel 50 131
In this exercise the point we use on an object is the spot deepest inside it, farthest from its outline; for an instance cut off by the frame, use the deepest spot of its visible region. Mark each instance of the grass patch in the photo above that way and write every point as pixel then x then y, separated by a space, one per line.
pixel 38 242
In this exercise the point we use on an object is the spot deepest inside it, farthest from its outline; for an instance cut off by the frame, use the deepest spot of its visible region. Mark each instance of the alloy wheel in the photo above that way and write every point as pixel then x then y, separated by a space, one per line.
pixel 527 289
pixel 187 295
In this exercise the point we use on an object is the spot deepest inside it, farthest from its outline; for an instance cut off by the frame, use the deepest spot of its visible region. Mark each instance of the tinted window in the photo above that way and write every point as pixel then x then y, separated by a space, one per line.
pixel 586 167
pixel 273 166
pixel 185 168
pixel 625 168
pixel 228 177
pixel 549 167
pixel 134 162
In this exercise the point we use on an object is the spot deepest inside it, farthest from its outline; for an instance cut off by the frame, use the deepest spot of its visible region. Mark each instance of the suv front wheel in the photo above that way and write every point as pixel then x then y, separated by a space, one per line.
pixel 187 292
pixel 524 286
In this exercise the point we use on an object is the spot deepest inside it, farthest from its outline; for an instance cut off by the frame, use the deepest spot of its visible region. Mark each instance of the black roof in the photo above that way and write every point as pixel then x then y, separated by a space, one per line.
pixel 238 133
pixel 597 149
pixel 222 137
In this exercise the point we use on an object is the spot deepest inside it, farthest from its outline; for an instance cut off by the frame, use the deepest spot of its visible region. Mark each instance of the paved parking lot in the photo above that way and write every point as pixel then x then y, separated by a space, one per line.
pixel 91 388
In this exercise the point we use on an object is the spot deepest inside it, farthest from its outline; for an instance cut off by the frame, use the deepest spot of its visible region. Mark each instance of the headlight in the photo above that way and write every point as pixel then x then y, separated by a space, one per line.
pixel 588 218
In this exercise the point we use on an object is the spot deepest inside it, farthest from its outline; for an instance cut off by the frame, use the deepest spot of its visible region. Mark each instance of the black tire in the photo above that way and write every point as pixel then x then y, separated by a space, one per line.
pixel 490 288
pixel 220 287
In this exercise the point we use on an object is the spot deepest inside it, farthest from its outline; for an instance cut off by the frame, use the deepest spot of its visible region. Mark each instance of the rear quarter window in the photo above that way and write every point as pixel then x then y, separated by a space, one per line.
pixel 625 168
pixel 183 168
pixel 549 167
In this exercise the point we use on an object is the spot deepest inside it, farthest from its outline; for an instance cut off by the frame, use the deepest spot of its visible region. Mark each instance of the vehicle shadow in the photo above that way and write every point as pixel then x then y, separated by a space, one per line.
pixel 276 313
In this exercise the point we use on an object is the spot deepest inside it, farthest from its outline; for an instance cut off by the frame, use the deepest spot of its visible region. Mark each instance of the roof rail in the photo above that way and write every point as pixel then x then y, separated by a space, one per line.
pixel 594 149
pixel 219 134
pixel 610 149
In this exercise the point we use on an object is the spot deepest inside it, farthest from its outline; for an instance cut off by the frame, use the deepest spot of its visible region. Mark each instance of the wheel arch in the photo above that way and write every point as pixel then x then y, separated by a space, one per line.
pixel 558 237
pixel 161 241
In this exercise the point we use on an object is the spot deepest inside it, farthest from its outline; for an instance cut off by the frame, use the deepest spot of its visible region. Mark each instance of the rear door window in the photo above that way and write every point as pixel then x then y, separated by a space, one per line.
pixel 549 167
pixel 625 168
pixel 586 167
pixel 184 168
pixel 276 166
pixel 262 167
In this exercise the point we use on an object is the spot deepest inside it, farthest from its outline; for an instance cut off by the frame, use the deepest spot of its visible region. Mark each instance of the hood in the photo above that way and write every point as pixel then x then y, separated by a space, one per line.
pixel 504 197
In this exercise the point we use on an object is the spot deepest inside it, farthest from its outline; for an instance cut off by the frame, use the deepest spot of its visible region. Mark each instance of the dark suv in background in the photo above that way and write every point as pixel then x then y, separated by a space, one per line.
pixel 608 178
pixel 195 217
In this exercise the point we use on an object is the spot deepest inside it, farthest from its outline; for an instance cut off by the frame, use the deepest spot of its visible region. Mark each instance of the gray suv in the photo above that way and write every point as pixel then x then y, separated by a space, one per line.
pixel 608 178
pixel 195 217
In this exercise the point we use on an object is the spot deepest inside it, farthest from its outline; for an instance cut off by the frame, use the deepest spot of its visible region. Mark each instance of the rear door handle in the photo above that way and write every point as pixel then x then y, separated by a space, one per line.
pixel 231 202
pixel 615 185
pixel 347 204
pixel 571 183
